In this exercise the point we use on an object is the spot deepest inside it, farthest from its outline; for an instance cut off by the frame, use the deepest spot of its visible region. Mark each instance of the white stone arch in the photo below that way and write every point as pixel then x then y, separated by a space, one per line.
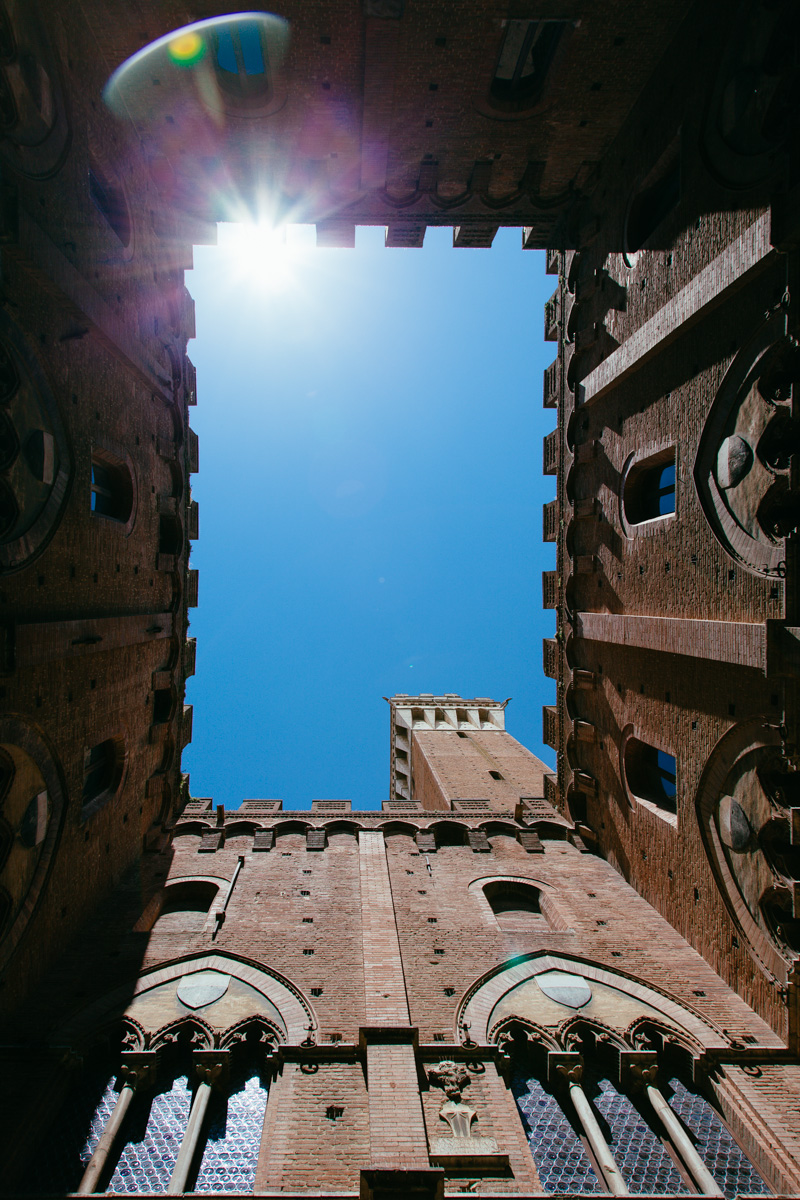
pixel 480 1002
pixel 295 1010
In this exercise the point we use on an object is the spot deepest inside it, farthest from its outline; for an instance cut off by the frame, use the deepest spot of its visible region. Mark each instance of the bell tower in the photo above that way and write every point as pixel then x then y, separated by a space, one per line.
pixel 452 753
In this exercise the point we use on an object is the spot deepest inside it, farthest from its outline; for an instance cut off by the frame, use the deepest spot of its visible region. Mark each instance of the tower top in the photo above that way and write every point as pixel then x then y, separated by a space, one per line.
pixel 428 712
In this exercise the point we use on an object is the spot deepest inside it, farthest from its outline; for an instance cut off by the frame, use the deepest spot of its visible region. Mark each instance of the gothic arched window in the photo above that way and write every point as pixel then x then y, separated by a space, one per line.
pixel 242 61
pixel 145 1151
pixel 109 199
pixel 627 1121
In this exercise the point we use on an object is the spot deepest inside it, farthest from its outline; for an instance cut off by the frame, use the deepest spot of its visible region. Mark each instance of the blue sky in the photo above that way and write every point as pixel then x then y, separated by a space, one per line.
pixel 371 494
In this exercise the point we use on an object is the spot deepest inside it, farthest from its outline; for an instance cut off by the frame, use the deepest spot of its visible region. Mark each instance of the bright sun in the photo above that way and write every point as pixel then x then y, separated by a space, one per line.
pixel 265 256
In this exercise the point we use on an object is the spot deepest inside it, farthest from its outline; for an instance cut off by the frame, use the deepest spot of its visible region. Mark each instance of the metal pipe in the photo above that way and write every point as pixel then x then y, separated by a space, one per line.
pixel 594 1135
pixel 705 1181
pixel 96 1165
pixel 191 1137
pixel 219 916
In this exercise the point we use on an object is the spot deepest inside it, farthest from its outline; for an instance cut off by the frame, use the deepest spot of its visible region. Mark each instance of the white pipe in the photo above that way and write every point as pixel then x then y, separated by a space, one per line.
pixel 594 1135
pixel 705 1181
pixel 94 1169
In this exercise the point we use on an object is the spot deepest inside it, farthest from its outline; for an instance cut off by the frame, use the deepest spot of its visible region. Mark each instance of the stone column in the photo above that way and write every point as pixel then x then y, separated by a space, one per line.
pixel 568 1068
pixel 212 1069
pixel 643 1075
pixel 138 1070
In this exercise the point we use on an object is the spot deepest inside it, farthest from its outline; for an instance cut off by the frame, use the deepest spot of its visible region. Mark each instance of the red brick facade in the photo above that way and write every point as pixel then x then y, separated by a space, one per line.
pixel 623 932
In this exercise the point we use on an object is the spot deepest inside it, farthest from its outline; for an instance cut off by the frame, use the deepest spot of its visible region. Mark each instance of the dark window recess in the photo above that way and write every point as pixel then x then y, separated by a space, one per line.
pixel 650 489
pixel 438 1037
pixel 316 991
pixel 653 204
pixel 162 705
pixel 651 774
pixel 186 906
pixel 109 198
pixel 525 57
pixel 243 63
pixel 111 489
pixel 170 536
pixel 308 951
pixel 102 770
pixel 437 951
pixel 448 991
pixel 495 775
pixel 334 1111
pixel 516 906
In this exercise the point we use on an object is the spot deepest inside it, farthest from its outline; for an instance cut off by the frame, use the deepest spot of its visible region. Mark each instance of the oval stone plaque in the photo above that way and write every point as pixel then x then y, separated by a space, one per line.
pixel 734 827
pixel 202 988
pixel 564 988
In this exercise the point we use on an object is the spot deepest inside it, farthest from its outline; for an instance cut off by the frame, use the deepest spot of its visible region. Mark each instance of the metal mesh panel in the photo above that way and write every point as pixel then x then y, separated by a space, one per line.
pixel 641 1157
pixel 556 1148
pixel 730 1167
pixel 233 1139
pixel 152 1142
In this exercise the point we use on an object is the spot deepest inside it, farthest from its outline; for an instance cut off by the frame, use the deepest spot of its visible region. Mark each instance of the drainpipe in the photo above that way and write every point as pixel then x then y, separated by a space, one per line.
pixel 219 916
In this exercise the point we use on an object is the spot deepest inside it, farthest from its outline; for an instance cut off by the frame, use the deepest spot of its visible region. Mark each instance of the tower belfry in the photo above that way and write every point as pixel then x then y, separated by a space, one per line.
pixel 452 753
pixel 502 980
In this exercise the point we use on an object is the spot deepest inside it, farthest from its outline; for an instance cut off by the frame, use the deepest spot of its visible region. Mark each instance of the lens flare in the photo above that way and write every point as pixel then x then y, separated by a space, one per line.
pixel 260 256
pixel 187 49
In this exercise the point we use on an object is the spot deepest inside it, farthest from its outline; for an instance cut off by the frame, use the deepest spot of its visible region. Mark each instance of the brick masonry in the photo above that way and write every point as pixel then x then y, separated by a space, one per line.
pixel 368 937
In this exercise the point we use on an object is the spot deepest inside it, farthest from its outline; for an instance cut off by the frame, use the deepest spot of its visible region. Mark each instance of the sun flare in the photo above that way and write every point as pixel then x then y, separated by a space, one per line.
pixel 262 255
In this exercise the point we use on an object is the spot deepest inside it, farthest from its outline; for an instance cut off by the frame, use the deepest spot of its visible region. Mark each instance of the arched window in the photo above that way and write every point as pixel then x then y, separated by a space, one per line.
pixel 186 906
pixel 109 199
pixel 651 774
pixel 516 906
pixel 242 61
pixel 628 1121
pixel 145 1150
pixel 649 489
pixel 102 773
pixel 525 57
pixel 111 487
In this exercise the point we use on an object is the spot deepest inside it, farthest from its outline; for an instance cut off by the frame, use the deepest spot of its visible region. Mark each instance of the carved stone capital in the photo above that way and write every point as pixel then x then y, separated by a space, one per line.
pixel 138 1068
pixel 564 1067
pixel 637 1069
pixel 212 1067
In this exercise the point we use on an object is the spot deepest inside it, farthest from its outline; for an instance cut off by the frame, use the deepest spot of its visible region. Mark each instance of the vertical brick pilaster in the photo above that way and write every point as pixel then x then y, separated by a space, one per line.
pixel 384 982
pixel 397 1140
